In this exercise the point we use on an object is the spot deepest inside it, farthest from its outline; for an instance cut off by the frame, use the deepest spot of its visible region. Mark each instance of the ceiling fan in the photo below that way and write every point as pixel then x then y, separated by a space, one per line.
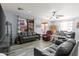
pixel 55 15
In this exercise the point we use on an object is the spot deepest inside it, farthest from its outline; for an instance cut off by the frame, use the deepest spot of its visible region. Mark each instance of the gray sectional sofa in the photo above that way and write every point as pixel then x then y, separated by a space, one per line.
pixel 67 48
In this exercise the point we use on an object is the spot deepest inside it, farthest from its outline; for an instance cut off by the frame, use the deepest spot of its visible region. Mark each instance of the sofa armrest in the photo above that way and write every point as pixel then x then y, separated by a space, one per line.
pixel 38 52
pixel 74 50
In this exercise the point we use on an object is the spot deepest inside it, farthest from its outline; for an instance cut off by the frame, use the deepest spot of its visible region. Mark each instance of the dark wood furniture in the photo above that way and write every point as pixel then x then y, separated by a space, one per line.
pixel 30 27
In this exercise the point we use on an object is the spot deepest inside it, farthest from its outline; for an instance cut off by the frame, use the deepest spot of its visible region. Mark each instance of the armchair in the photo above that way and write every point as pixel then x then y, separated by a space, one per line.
pixel 46 37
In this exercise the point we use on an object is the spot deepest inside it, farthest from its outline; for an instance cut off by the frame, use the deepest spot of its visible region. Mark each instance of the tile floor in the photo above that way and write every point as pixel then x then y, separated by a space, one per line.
pixel 27 48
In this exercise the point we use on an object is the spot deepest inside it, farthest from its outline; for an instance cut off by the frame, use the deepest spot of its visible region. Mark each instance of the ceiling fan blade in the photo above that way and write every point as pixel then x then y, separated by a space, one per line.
pixel 59 15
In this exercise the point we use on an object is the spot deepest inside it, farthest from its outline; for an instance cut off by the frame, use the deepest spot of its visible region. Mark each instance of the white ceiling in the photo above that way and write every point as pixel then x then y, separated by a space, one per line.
pixel 43 9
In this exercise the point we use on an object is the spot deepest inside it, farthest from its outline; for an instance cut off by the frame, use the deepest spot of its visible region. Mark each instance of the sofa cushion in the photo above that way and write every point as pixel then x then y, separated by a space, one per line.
pixel 54 47
pixel 58 42
pixel 37 52
pixel 64 49
pixel 72 41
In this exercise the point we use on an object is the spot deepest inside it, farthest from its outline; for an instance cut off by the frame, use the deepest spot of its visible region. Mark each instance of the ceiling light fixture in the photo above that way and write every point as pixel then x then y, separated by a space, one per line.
pixel 20 8
pixel 54 15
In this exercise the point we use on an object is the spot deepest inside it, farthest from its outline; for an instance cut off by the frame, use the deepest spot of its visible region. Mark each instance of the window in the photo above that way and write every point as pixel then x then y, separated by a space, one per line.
pixel 66 26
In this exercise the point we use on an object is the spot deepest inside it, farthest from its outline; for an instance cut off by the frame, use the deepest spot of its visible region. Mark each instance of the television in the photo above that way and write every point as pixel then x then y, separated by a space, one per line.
pixel 2 23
